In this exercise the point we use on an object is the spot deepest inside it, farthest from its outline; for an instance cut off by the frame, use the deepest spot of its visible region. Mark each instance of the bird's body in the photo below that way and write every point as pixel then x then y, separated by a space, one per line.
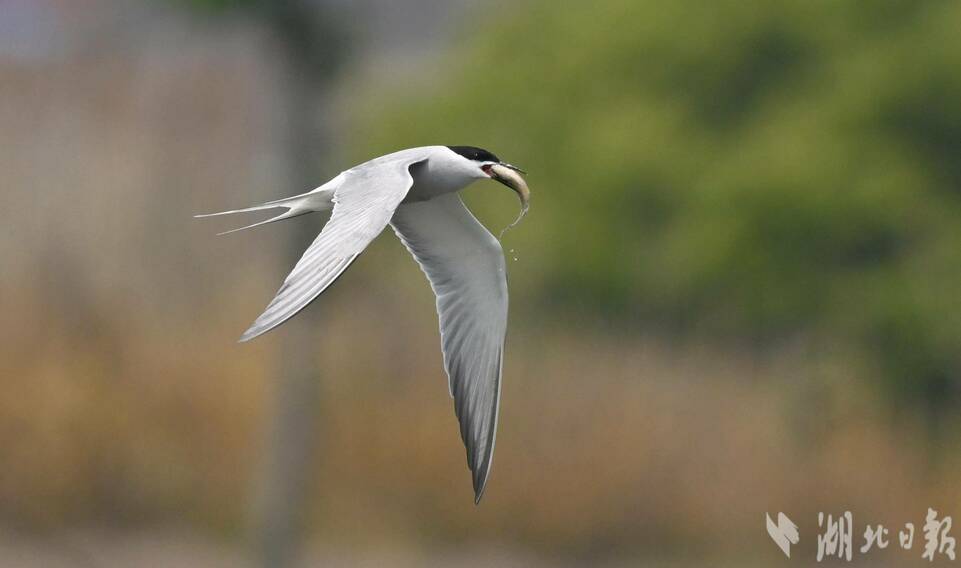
pixel 415 191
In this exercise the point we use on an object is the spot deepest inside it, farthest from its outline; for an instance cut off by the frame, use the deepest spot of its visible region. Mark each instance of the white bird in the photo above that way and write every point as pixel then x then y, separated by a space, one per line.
pixel 415 191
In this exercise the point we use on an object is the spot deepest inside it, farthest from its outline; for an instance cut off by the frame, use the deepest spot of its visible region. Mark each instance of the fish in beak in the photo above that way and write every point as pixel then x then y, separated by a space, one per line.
pixel 510 176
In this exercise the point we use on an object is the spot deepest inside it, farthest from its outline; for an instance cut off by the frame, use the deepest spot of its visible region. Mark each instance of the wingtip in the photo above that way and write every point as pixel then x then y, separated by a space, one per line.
pixel 480 484
pixel 247 336
pixel 257 329
pixel 252 332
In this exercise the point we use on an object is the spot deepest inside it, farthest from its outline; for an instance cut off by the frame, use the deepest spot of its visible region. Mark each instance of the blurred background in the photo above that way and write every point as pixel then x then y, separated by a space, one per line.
pixel 736 292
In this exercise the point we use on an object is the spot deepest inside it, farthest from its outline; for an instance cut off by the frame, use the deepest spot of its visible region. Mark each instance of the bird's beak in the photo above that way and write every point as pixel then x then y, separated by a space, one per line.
pixel 509 176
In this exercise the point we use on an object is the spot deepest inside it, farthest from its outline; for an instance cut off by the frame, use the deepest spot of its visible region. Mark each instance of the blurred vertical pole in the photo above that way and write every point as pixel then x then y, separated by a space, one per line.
pixel 309 51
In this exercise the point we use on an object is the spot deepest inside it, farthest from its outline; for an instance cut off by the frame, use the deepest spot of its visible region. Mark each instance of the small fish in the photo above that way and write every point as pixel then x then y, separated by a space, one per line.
pixel 508 176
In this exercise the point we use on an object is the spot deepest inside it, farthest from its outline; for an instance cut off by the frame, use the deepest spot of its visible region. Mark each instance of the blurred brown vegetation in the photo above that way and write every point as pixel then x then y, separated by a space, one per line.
pixel 129 407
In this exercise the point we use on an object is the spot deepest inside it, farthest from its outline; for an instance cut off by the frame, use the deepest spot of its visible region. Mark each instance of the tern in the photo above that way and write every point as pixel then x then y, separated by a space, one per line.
pixel 415 191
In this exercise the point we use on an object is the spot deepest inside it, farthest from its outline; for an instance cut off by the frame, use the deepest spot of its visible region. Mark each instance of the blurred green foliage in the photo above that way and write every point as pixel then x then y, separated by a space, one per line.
pixel 755 170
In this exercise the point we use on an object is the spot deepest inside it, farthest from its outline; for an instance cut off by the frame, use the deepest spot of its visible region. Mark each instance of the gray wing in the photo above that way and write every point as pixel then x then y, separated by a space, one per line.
pixel 364 201
pixel 466 269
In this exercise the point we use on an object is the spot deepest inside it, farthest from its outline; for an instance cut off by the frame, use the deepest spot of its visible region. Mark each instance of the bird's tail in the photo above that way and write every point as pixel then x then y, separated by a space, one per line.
pixel 317 200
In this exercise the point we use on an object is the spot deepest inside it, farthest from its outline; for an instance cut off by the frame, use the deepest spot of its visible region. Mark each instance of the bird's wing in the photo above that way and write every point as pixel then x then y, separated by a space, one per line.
pixel 364 202
pixel 466 269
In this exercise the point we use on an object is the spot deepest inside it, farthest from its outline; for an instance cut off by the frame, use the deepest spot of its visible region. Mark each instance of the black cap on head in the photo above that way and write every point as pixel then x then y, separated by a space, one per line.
pixel 475 153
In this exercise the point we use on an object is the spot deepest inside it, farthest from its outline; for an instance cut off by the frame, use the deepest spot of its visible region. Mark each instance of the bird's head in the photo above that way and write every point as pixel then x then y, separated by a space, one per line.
pixel 491 167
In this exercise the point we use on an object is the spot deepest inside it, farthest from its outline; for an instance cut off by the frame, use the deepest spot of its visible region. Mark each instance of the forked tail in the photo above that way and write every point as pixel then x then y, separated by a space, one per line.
pixel 317 200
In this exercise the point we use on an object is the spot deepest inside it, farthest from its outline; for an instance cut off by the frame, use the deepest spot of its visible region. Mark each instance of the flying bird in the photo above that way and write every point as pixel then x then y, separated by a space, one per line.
pixel 415 191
